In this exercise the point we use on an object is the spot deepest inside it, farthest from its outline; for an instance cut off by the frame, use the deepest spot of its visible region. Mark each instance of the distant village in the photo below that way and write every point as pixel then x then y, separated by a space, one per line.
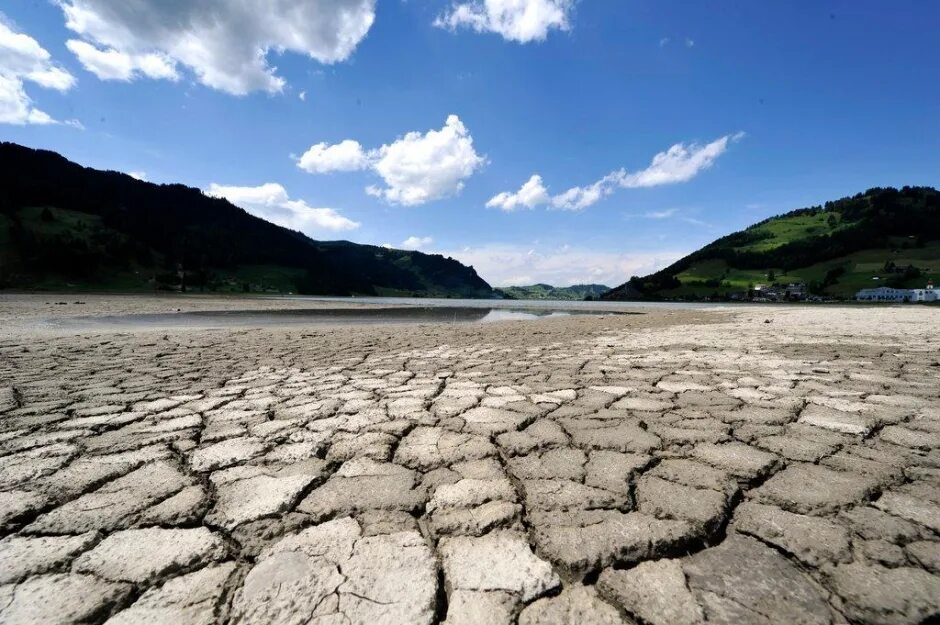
pixel 798 292
pixel 776 292
pixel 888 294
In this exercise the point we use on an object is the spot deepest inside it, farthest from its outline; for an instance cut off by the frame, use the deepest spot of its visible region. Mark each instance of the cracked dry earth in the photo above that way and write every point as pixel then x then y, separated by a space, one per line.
pixel 665 469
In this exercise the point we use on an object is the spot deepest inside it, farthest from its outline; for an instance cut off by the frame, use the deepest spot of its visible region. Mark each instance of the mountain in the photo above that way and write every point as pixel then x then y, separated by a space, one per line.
pixel 67 226
pixel 547 291
pixel 882 237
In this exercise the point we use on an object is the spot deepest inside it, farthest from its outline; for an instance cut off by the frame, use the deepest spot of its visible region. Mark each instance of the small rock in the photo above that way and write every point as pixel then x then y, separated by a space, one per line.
pixel 60 598
pixel 875 595
pixel 499 561
pixel 143 555
pixel 656 592
pixel 574 606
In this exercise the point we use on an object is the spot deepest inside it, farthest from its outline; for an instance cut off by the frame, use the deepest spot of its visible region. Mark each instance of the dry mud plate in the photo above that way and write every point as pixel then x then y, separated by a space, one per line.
pixel 666 469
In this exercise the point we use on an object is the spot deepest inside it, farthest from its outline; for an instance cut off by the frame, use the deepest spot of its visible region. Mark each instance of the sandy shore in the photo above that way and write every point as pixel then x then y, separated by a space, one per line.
pixel 24 311
pixel 771 465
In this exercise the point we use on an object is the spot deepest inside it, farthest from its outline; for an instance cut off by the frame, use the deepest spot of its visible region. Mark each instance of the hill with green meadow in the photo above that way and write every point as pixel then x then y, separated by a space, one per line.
pixel 68 227
pixel 547 291
pixel 882 237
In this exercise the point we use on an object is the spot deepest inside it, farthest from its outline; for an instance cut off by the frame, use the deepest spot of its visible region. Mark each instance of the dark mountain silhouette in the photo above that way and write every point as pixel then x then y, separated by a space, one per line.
pixel 64 225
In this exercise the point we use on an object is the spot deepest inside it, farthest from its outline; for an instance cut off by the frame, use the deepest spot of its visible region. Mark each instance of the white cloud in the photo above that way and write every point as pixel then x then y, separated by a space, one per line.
pixel 680 163
pixel 509 264
pixel 531 194
pixel 663 214
pixel 419 168
pixel 138 175
pixel 271 202
pixel 344 156
pixel 416 243
pixel 22 59
pixel 416 168
pixel 515 20
pixel 579 198
pixel 110 64
pixel 687 42
pixel 674 214
pixel 225 44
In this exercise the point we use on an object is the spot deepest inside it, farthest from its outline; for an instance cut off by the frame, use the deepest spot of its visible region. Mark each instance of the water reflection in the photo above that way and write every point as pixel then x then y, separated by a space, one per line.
pixel 320 316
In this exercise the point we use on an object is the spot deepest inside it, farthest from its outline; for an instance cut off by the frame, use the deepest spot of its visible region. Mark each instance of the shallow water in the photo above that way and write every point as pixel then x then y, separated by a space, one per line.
pixel 596 307
pixel 321 316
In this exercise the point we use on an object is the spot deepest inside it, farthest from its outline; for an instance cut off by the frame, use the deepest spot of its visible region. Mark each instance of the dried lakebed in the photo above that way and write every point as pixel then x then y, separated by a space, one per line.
pixel 676 467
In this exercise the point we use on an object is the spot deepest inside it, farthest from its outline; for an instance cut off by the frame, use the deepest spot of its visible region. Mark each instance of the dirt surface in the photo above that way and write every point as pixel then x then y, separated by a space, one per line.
pixel 771 465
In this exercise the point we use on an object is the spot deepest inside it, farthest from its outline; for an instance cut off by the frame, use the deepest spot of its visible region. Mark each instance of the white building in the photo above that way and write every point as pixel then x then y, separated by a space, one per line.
pixel 887 294
pixel 925 295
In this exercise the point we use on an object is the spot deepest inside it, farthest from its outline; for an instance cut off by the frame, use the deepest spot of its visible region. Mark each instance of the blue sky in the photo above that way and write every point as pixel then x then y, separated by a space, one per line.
pixel 417 123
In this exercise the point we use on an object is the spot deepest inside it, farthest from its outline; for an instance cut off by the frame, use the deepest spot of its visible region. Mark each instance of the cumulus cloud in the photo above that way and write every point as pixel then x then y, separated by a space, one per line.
pixel 270 201
pixel 343 156
pixel 680 163
pixel 521 21
pixel 225 44
pixel 416 243
pixel 416 168
pixel 531 194
pixel 510 264
pixel 23 60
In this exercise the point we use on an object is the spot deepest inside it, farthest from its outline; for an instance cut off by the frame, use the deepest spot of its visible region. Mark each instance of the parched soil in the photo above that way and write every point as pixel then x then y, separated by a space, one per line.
pixel 771 465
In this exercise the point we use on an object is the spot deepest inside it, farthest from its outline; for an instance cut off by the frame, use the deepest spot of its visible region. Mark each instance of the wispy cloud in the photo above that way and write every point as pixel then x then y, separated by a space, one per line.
pixel 680 163
pixel 664 214
pixel 672 214
pixel 696 222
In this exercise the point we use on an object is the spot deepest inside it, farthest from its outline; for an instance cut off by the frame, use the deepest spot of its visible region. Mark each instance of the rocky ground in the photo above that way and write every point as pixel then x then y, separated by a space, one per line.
pixel 767 466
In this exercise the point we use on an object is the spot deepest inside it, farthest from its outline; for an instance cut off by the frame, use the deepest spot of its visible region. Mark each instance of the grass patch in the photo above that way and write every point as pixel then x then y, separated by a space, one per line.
pixel 783 230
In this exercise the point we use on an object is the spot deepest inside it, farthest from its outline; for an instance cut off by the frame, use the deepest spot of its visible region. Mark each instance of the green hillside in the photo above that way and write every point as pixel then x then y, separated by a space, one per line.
pixel 547 291
pixel 882 237
pixel 64 226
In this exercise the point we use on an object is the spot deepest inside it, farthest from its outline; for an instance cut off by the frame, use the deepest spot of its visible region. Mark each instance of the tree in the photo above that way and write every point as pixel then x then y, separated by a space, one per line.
pixel 832 276
pixel 771 276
